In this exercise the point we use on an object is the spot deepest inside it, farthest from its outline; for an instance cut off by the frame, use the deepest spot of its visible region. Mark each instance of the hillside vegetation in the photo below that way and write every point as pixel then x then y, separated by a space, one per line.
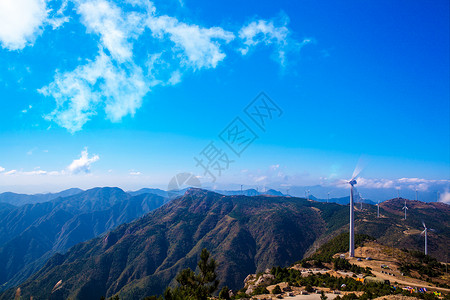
pixel 245 235
pixel 32 233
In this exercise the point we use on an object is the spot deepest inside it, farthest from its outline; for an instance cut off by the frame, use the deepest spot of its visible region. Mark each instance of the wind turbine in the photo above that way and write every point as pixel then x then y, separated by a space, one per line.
pixel 328 197
pixel 351 252
pixel 361 199
pixel 378 209
pixel 352 183
pixel 425 231
pixel 405 208
pixel 416 196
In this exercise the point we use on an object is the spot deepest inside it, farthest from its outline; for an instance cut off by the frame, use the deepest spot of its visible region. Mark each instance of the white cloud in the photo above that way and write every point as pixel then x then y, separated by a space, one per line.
pixel 200 46
pixel 30 152
pixel 2 169
pixel 376 183
pixel 83 164
pixel 21 22
pixel 116 29
pixel 261 178
pixel 402 183
pixel 75 100
pixel 12 172
pixel 135 173
pixel 267 33
pixel 24 111
pixel 116 81
pixel 36 172
pixel 56 16
pixel 119 89
pixel 445 197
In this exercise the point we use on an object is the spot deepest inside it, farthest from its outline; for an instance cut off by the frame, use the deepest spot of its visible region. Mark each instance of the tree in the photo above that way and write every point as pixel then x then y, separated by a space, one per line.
pixel 195 286
pixel 276 290
pixel 224 293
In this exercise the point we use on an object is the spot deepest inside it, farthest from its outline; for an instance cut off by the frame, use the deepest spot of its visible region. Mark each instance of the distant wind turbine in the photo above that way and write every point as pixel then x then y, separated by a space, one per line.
pixel 424 232
pixel 417 198
pixel 361 199
pixel 328 197
pixel 405 208
pixel 378 209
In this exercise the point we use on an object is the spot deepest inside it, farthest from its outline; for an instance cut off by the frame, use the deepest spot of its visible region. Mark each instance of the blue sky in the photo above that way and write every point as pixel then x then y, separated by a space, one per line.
pixel 127 93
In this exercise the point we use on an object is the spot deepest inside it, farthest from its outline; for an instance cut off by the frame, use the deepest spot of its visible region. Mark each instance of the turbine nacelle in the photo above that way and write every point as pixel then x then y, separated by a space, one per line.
pixel 352 182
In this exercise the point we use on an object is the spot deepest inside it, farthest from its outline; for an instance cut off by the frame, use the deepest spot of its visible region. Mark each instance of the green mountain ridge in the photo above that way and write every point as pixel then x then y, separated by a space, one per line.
pixel 244 234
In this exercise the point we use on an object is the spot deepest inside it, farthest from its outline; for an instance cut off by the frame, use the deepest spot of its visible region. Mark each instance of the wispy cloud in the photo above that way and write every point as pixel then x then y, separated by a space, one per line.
pixel 115 28
pixel 200 47
pixel 24 111
pixel 115 82
pixel 2 169
pixel 119 89
pixel 270 33
pixel 30 152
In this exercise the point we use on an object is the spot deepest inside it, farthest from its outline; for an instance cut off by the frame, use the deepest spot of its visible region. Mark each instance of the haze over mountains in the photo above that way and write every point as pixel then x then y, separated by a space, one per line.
pixel 430 191
pixel 21 199
pixel 244 234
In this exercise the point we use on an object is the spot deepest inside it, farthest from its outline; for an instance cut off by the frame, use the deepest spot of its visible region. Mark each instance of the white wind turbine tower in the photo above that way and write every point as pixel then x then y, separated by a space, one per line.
pixel 351 252
pixel 405 208
pixel 352 183
pixel 424 232
pixel 328 197
pixel 378 209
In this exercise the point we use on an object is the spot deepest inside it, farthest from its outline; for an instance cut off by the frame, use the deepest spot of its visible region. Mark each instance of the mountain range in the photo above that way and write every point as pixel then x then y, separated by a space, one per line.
pixel 244 234
pixel 30 234
pixel 21 199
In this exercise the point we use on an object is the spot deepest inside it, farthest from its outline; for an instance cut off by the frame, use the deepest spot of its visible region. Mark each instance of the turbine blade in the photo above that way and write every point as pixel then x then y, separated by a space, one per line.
pixel 423 223
pixel 343 181
pixel 359 167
